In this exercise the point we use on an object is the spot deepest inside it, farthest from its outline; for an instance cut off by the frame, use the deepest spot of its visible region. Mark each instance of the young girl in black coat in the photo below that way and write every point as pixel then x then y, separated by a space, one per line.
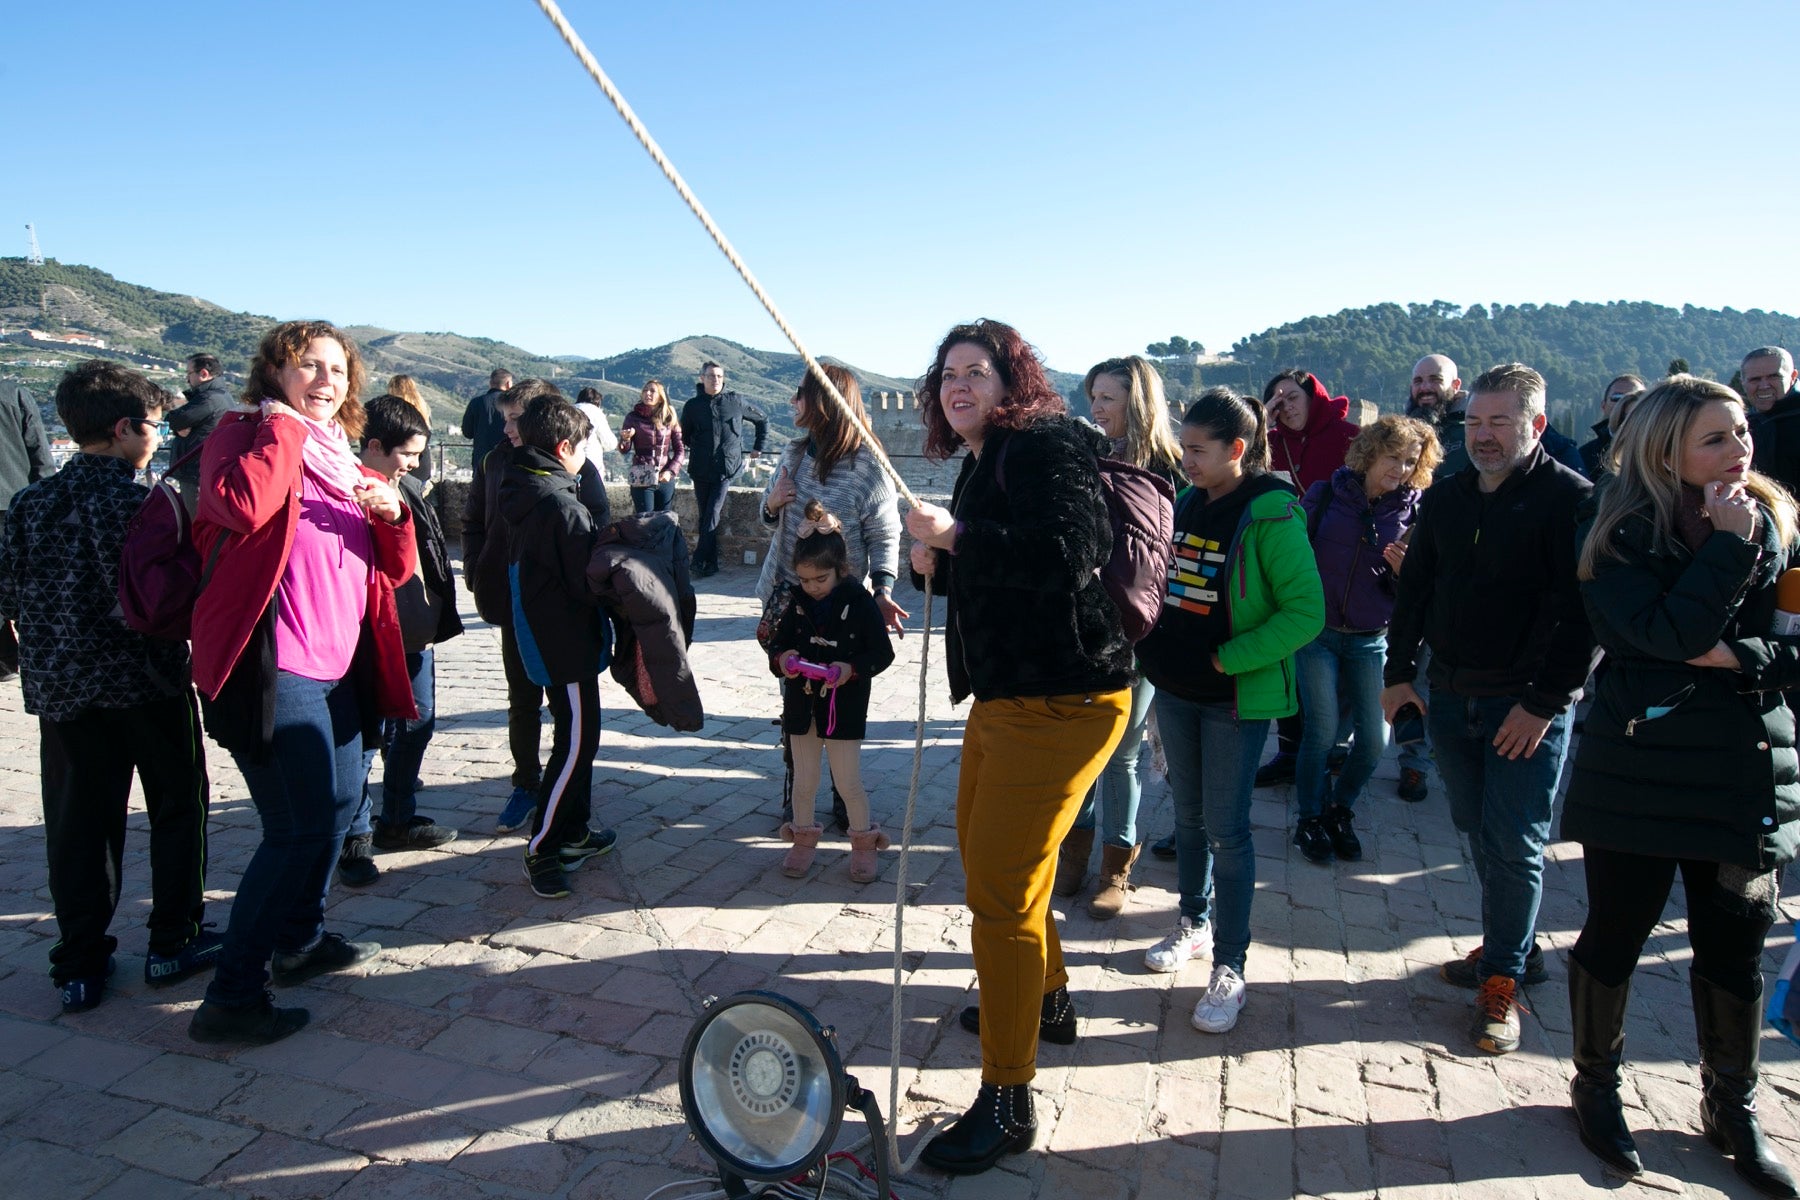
pixel 1687 763
pixel 832 622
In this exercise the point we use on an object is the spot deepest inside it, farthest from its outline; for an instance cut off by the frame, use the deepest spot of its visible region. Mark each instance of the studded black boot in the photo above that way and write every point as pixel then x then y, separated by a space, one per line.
pixel 1056 1021
pixel 1001 1122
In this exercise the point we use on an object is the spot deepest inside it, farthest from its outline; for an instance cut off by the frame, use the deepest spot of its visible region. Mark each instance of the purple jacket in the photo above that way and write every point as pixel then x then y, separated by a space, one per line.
pixel 1359 588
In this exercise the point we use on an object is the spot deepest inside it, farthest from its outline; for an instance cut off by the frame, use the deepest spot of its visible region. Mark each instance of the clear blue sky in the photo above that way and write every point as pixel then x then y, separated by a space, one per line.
pixel 1100 176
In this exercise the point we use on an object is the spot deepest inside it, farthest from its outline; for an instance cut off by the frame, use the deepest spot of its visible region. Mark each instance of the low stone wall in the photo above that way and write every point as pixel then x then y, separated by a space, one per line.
pixel 741 530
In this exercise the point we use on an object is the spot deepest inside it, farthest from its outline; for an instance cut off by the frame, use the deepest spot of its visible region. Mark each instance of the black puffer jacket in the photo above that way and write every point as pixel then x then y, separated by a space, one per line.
pixel 1679 761
pixel 1027 615
pixel 556 617
pixel 640 573
pixel 426 602
pixel 713 429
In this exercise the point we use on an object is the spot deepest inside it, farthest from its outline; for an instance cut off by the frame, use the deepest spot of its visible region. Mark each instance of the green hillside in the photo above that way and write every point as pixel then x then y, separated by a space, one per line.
pixel 1368 353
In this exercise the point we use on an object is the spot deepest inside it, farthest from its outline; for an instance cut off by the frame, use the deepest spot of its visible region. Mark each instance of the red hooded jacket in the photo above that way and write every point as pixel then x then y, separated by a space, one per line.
pixel 1312 454
pixel 250 490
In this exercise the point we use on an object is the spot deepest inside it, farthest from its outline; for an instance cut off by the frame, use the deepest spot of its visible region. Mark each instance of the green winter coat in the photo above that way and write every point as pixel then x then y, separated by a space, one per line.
pixel 1276 603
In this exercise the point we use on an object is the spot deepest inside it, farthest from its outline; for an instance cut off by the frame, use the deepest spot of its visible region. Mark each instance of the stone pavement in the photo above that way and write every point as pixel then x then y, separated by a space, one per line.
pixel 504 1045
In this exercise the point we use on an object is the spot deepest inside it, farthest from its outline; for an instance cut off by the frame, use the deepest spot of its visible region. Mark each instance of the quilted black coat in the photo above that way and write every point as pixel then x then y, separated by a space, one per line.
pixel 1679 761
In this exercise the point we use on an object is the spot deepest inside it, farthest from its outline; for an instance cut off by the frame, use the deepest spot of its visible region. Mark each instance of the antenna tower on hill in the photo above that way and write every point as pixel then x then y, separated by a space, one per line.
pixel 33 256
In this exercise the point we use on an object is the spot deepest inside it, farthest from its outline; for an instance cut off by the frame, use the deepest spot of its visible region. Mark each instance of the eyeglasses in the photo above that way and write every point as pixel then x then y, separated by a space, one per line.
pixel 1618 396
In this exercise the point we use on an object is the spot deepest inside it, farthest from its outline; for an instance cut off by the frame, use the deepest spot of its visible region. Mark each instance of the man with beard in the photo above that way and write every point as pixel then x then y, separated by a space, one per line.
pixel 1438 400
pixel 1489 584
pixel 1772 386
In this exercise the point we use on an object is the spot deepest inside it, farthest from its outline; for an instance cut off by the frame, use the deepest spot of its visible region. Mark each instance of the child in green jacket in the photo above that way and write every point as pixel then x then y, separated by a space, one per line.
pixel 1244 595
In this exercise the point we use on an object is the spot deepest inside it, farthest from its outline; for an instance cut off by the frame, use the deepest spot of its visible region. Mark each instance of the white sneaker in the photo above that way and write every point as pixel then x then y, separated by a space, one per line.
pixel 1188 941
pixel 1218 1010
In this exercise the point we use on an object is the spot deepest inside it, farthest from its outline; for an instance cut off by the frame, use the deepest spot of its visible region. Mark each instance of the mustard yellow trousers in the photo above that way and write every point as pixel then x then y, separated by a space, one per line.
pixel 1026 765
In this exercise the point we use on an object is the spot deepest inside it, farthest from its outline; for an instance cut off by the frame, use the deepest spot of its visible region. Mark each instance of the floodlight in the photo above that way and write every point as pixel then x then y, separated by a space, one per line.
pixel 763 1091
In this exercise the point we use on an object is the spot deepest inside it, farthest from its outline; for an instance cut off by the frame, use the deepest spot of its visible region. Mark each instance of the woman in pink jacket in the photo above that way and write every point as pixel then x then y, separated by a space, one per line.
pixel 297 652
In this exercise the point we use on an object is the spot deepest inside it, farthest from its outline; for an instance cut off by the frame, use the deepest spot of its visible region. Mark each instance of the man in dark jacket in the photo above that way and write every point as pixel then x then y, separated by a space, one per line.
pixel 712 428
pixel 1593 453
pixel 562 639
pixel 208 398
pixel 1772 386
pixel 24 458
pixel 1489 585
pixel 482 422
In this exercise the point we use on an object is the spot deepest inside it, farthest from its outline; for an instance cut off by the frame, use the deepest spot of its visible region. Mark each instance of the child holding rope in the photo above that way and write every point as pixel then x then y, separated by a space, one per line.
pixel 828 644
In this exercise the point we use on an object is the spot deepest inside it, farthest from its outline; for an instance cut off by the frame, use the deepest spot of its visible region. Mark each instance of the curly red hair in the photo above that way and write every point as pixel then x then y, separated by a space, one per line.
pixel 1029 394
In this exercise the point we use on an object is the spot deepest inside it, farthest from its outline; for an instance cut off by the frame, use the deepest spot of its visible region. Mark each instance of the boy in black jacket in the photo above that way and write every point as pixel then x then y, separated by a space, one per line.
pixel 562 637
pixel 109 700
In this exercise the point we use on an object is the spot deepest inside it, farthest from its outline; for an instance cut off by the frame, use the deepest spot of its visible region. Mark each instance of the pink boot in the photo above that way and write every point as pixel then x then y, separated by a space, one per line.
pixel 799 860
pixel 863 846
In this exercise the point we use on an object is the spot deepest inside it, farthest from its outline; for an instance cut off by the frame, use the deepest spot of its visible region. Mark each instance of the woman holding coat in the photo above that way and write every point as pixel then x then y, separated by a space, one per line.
pixel 1687 762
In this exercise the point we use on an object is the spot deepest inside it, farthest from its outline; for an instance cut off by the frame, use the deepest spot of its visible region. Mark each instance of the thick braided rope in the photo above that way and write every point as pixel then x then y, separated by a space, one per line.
pixel 642 134
pixel 612 93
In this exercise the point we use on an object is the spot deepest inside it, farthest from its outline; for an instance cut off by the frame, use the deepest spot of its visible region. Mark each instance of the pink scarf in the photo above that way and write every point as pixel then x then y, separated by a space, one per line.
pixel 326 456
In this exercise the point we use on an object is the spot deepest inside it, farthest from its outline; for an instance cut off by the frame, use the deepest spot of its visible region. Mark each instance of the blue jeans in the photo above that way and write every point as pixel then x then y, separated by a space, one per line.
pixel 1117 792
pixel 1337 670
pixel 653 499
pixel 305 794
pixel 1504 807
pixel 1212 760
pixel 403 743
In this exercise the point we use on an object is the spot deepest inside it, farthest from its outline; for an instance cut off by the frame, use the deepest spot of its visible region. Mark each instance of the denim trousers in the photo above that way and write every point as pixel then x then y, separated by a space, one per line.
pixel 1339 670
pixel 653 499
pixel 305 791
pixel 1504 808
pixel 1114 797
pixel 1212 758
pixel 403 742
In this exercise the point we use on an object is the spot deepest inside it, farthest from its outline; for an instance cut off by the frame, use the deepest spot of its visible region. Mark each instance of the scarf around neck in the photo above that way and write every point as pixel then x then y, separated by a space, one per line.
pixel 326 455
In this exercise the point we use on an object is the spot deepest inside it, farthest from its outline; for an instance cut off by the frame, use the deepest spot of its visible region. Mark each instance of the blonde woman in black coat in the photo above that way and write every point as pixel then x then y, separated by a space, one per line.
pixel 1687 762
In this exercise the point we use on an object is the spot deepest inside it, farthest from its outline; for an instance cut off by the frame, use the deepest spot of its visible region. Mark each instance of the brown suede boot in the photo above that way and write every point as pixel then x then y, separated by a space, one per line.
pixel 799 859
pixel 863 845
pixel 1115 881
pixel 1072 861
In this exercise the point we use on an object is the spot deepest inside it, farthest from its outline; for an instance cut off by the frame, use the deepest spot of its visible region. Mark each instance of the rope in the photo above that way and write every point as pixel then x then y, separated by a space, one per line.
pixel 612 93
pixel 599 76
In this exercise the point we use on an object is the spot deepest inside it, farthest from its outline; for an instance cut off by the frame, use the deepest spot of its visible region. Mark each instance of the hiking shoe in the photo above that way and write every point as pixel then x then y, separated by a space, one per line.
pixel 332 952
pixel 1344 843
pixel 594 841
pixel 1413 787
pixel 356 865
pixel 257 1025
pixel 1279 769
pixel 1312 840
pixel 517 813
pixel 545 871
pixel 1188 940
pixel 1462 971
pixel 421 833
pixel 1497 1010
pixel 1218 1010
pixel 1163 847
pixel 79 995
pixel 200 954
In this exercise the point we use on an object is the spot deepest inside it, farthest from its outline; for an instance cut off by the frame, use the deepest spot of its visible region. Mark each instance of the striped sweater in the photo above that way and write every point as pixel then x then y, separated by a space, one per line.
pixel 858 494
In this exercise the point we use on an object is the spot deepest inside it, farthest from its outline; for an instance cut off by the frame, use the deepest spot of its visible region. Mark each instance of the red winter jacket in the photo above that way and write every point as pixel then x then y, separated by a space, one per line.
pixel 1313 453
pixel 250 490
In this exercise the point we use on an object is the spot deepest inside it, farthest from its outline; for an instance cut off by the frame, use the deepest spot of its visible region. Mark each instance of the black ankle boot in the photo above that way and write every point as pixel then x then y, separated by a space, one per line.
pixel 1599 1017
pixel 1000 1122
pixel 1730 1034
pixel 1056 1022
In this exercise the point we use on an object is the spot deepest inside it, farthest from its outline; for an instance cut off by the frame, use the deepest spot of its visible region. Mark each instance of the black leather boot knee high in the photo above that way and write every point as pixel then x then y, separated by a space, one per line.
pixel 1598 1013
pixel 1730 1032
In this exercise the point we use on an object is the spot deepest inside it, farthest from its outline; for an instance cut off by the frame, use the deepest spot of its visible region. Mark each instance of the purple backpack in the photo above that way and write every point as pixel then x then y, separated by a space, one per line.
pixel 1141 507
pixel 159 569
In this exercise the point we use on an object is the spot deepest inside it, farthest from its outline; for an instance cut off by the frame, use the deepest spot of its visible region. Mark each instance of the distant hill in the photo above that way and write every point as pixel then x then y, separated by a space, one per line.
pixel 63 298
pixel 1368 353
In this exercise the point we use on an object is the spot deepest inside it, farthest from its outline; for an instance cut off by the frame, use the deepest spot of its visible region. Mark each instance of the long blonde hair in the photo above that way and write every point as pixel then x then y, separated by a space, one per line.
pixel 1149 436
pixel 1647 450
pixel 661 411
pixel 404 387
